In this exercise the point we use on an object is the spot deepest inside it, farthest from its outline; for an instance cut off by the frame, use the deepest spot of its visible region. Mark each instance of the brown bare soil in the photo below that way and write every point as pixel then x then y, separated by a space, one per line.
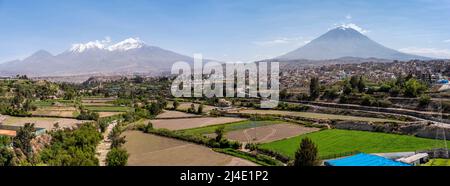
pixel 151 150
pixel 187 105
pixel 107 114
pixel 42 122
pixel 268 133
pixel 180 124
pixel 174 114
pixel 55 111
pixel 313 115
pixel 11 133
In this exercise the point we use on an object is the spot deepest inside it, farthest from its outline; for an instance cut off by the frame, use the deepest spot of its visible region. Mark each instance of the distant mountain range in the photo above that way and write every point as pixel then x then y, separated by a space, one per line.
pixel 97 58
pixel 131 56
pixel 344 42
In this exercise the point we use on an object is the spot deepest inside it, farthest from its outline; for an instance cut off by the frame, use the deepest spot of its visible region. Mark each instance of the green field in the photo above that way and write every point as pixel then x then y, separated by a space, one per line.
pixel 108 108
pixel 48 103
pixel 231 126
pixel 336 141
pixel 438 162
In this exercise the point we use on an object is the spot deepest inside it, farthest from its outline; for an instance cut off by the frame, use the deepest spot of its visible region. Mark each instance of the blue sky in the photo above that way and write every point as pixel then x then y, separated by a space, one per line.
pixel 227 30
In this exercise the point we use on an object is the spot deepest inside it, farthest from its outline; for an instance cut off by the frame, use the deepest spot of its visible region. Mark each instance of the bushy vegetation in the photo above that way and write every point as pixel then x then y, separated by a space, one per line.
pixel 73 147
pixel 117 157
pixel 260 159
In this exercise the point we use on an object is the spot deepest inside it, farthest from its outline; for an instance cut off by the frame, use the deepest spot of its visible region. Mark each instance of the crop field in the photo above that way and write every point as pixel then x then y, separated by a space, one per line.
pixel 241 125
pixel 314 115
pixel 188 123
pixel 151 150
pixel 41 122
pixel 186 105
pixel 108 108
pixel 336 141
pixel 56 111
pixel 438 162
pixel 269 133
pixel 97 100
pixel 174 114
pixel 108 114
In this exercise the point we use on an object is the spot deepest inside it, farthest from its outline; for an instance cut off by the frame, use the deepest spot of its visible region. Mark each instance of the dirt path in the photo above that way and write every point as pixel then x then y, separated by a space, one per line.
pixel 105 145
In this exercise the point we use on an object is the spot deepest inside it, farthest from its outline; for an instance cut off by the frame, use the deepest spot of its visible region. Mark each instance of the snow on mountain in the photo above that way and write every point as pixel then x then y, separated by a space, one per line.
pixel 345 41
pixel 127 44
pixel 129 56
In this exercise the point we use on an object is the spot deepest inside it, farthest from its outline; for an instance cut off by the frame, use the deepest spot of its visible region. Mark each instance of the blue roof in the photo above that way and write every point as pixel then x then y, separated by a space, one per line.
pixel 364 160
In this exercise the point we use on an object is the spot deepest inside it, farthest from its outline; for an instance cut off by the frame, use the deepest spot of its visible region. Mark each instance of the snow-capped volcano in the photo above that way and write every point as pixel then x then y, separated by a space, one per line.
pixel 345 41
pixel 129 56
pixel 127 44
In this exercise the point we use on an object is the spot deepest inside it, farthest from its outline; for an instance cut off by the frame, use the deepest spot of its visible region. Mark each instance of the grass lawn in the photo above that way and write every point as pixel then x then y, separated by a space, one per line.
pixel 232 126
pixel 107 108
pixel 336 141
pixel 438 162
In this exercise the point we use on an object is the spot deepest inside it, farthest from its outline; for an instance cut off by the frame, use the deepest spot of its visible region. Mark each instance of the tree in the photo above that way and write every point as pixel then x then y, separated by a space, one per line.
pixel 117 157
pixel 200 109
pixel 314 88
pixel 347 90
pixel 361 84
pixel 219 133
pixel 414 88
pixel 24 137
pixel 176 104
pixel 307 154
pixel 354 80
pixel 424 100
pixel 284 94
pixel 6 157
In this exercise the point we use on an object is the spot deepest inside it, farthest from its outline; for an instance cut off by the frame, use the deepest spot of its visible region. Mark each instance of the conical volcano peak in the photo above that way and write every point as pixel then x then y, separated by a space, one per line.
pixel 345 41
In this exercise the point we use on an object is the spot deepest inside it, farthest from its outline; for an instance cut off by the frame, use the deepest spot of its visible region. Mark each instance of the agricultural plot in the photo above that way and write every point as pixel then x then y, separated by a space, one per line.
pixel 97 100
pixel 186 105
pixel 313 115
pixel 41 122
pixel 335 141
pixel 268 133
pixel 108 108
pixel 56 111
pixel 151 150
pixel 241 125
pixel 188 123
pixel 174 114
pixel 108 114
pixel 438 162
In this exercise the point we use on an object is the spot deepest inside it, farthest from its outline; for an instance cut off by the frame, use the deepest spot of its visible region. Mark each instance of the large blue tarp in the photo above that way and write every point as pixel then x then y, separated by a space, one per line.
pixel 364 160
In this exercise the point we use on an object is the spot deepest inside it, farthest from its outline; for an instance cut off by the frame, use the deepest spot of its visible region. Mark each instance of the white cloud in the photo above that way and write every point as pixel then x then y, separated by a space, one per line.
pixel 353 26
pixel 447 41
pixel 283 41
pixel 348 16
pixel 430 52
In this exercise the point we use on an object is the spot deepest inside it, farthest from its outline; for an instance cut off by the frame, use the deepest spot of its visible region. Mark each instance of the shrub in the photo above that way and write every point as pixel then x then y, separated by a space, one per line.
pixel 424 100
pixel 117 157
